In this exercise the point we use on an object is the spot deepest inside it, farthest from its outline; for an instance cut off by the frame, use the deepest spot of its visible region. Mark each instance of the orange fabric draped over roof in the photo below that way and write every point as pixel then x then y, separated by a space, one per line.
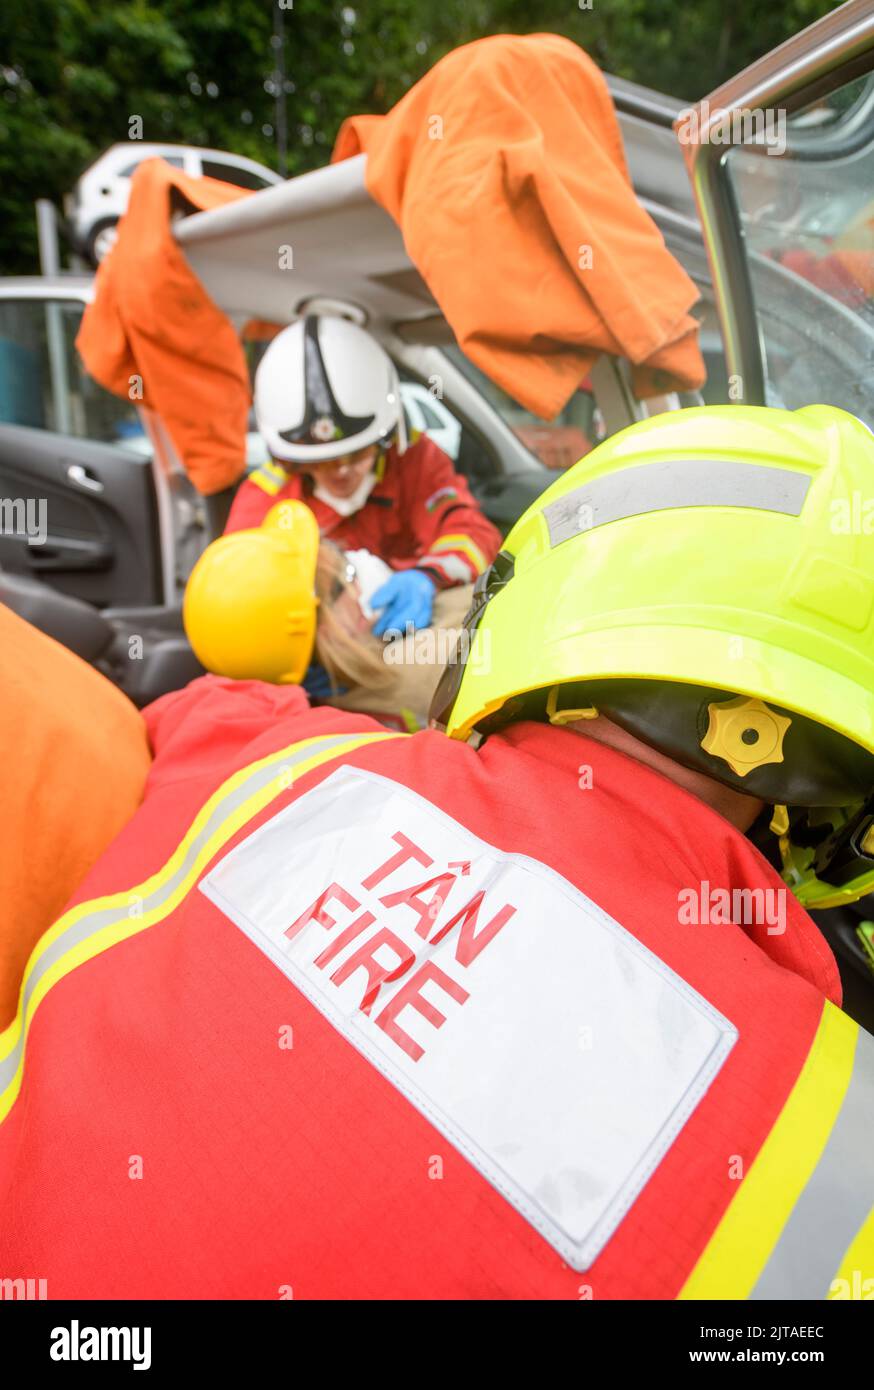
pixel 75 757
pixel 152 319
pixel 504 169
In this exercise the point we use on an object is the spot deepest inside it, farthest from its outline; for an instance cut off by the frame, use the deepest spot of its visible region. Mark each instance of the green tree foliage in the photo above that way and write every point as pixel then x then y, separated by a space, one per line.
pixel 74 72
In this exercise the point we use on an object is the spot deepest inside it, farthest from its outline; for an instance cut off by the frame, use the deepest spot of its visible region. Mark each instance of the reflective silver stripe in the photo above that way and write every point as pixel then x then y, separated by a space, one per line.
pixel 93 922
pixel 452 566
pixel 656 487
pixel 836 1201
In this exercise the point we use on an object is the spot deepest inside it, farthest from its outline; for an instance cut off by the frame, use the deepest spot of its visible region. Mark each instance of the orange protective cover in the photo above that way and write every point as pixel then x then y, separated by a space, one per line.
pixel 505 171
pixel 75 756
pixel 154 330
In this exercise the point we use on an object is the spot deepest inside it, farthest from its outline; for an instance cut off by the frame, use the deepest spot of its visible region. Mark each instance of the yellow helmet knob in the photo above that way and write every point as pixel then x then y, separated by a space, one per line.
pixel 746 733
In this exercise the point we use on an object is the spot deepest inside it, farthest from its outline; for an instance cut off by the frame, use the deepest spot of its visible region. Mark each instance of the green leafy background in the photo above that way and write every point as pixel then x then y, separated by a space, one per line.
pixel 74 72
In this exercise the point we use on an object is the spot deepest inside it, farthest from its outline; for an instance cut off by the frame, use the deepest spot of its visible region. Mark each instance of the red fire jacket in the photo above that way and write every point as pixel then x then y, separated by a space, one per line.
pixel 350 1014
pixel 420 513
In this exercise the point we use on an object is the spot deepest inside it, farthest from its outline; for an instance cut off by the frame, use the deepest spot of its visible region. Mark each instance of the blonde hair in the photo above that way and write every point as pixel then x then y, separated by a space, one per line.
pixel 350 658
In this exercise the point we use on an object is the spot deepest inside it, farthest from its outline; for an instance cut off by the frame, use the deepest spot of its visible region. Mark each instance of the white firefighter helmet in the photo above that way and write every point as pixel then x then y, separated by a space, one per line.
pixel 325 388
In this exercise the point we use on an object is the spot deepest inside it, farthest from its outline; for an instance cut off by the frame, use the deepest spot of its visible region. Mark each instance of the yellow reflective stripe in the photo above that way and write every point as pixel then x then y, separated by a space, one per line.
pixel 129 922
pixel 857 1266
pixel 222 794
pixel 261 478
pixel 467 547
pixel 743 1241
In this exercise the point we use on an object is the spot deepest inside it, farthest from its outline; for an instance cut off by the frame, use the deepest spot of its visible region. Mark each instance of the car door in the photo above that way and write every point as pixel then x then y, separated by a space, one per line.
pixel 782 165
pixel 78 507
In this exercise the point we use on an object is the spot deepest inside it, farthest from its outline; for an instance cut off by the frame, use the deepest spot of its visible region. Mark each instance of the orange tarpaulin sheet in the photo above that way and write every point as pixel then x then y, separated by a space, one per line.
pixel 153 333
pixel 505 172
pixel 75 756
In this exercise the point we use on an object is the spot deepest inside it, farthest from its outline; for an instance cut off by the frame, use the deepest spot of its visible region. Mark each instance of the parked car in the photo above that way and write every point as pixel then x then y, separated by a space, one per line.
pixel 100 196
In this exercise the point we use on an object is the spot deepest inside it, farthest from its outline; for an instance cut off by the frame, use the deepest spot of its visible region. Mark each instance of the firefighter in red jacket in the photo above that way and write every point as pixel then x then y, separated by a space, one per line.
pixel 328 405
pixel 516 1013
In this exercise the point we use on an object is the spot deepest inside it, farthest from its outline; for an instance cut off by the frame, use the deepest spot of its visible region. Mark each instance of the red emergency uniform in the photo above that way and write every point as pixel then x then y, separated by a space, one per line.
pixel 420 513
pixel 460 1043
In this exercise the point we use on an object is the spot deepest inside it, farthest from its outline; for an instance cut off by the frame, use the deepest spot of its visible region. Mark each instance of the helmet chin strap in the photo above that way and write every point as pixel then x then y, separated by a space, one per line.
pixel 399 432
pixel 401 437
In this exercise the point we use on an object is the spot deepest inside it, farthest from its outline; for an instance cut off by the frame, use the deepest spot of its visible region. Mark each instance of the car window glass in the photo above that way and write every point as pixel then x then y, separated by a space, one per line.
pixel 558 443
pixel 431 418
pixel 44 385
pixel 808 231
pixel 439 423
pixel 175 159
pixel 230 173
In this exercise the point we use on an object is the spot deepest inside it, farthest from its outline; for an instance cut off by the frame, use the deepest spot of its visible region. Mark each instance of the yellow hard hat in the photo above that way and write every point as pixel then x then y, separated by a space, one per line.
pixel 250 606
pixel 703 580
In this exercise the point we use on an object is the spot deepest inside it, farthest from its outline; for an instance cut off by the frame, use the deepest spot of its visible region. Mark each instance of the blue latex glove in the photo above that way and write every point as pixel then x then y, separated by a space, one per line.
pixel 405 599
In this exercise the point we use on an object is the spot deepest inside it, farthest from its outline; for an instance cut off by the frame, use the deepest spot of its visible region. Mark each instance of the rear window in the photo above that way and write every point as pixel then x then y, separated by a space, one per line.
pixel 175 159
pixel 231 173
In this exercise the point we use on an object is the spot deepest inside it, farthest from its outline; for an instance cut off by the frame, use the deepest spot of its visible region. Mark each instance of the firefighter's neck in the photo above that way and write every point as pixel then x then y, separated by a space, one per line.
pixel 737 808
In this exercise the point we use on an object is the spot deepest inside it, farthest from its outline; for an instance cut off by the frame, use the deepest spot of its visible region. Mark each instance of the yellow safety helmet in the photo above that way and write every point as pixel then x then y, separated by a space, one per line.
pixel 706 580
pixel 250 606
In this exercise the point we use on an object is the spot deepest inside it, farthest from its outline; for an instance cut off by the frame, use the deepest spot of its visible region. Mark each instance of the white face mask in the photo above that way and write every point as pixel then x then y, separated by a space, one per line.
pixel 345 506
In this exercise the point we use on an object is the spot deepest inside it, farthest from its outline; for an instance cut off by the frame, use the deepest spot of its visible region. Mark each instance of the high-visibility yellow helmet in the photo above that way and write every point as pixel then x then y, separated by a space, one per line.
pixel 706 579
pixel 250 606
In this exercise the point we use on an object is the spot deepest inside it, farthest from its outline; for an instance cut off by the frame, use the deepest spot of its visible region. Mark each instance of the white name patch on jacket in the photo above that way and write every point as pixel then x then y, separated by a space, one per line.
pixel 557 1053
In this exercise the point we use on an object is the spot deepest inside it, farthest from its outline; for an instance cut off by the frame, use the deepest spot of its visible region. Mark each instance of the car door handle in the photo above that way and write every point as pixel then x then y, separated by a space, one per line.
pixel 82 478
